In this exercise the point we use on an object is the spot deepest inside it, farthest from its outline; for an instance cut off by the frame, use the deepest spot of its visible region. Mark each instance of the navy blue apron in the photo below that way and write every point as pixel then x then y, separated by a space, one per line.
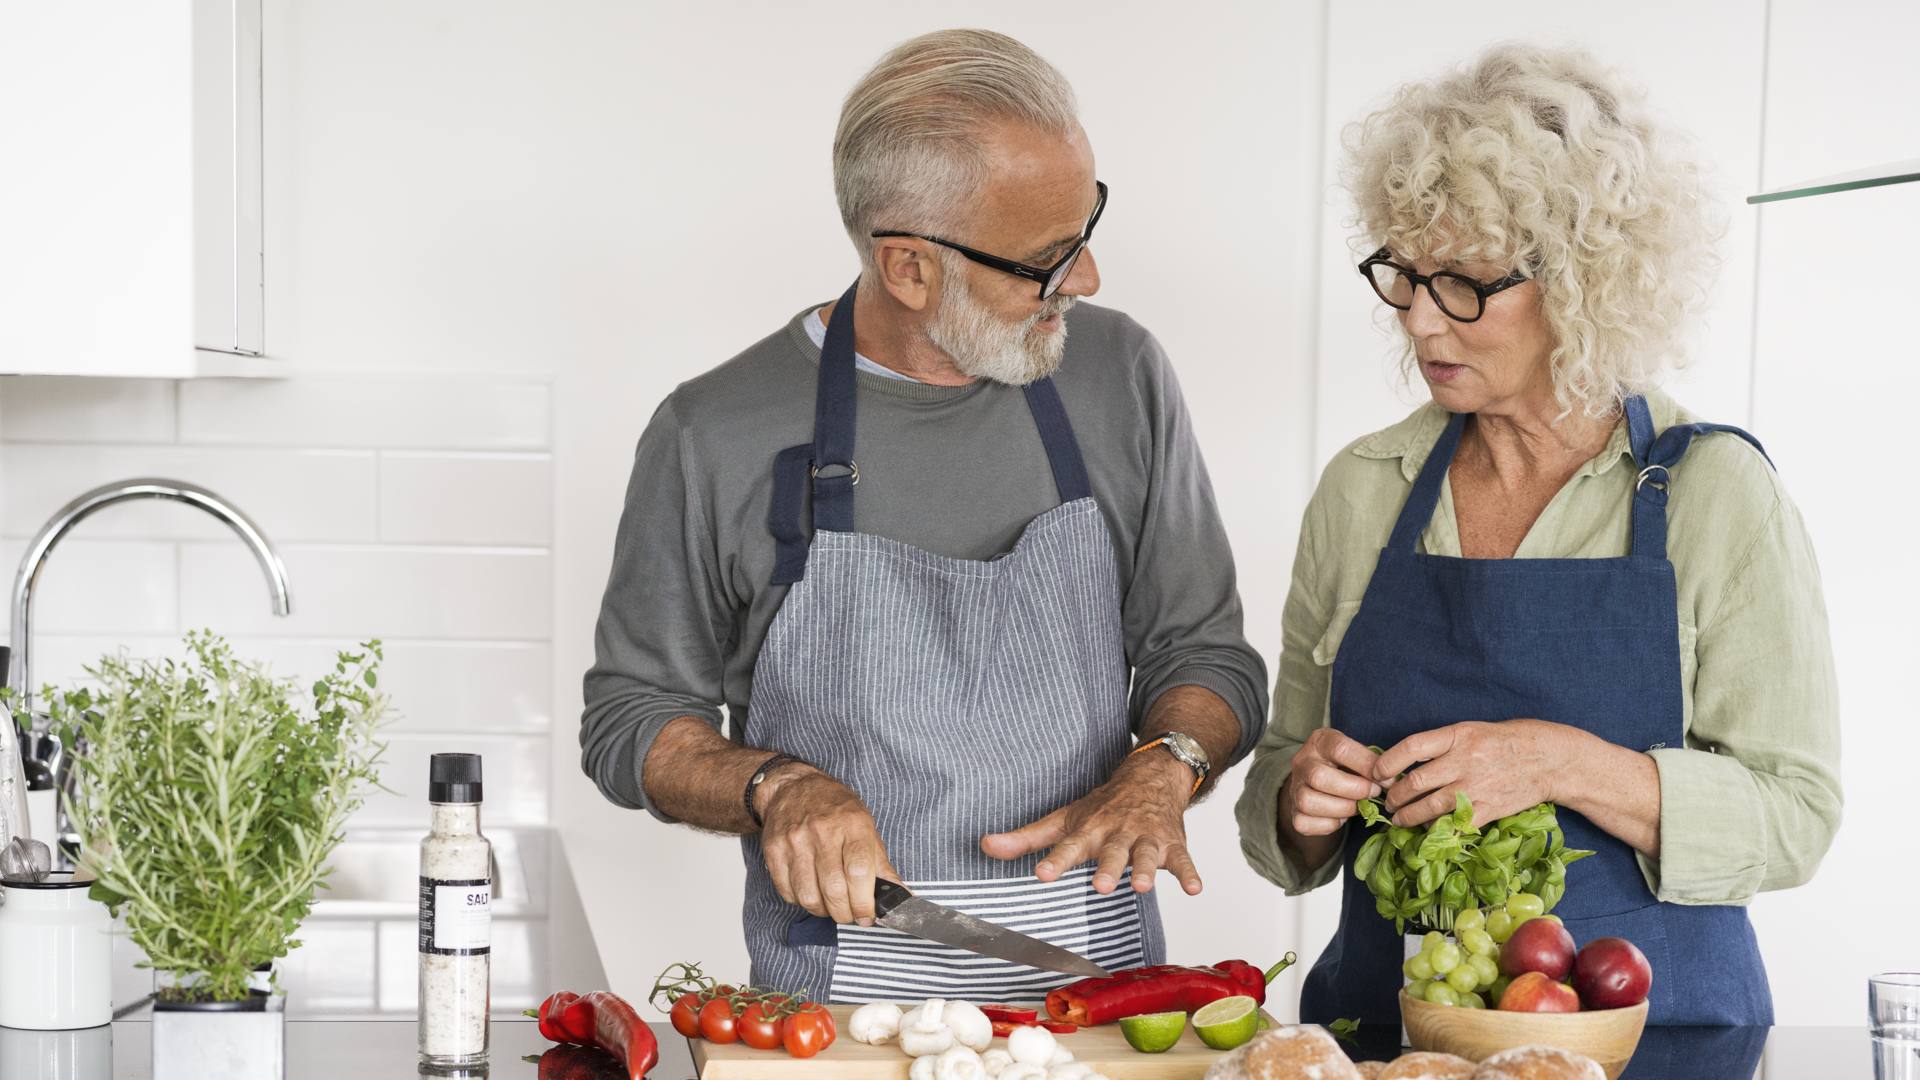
pixel 1593 643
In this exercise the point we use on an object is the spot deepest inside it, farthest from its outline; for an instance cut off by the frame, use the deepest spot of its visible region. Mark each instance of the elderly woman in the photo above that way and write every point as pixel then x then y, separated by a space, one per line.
pixel 1552 583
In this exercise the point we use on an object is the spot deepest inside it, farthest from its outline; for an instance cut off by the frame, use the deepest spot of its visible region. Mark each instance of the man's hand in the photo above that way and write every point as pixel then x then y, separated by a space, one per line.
pixel 821 845
pixel 1136 818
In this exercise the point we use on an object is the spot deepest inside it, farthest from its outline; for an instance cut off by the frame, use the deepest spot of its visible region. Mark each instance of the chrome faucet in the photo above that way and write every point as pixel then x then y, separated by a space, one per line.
pixel 39 752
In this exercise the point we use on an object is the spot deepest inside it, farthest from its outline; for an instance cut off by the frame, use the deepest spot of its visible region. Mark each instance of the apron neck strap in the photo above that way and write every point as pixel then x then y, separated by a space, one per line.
pixel 827 467
pixel 1420 504
pixel 1656 454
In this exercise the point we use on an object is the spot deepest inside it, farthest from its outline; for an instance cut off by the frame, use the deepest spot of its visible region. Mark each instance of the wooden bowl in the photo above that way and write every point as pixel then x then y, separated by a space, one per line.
pixel 1608 1036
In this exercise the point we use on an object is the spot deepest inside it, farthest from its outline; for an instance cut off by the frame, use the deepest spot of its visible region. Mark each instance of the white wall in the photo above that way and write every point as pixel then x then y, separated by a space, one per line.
pixel 499 233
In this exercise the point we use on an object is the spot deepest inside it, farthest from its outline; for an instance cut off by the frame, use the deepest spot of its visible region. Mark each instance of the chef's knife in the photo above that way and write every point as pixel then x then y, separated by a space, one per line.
pixel 897 909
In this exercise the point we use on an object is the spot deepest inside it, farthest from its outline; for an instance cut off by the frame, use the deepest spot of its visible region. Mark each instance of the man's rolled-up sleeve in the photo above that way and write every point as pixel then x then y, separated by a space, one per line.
pixel 1182 610
pixel 658 644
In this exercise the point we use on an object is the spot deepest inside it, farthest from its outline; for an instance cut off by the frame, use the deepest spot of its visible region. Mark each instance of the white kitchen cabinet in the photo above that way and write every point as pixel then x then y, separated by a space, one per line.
pixel 130 197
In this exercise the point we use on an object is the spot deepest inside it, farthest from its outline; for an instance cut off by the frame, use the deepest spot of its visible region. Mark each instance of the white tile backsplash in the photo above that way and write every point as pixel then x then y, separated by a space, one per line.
pixel 371 411
pixel 385 592
pixel 67 410
pixel 514 778
pixel 292 495
pixel 105 586
pixel 413 509
pixel 476 687
pixel 439 498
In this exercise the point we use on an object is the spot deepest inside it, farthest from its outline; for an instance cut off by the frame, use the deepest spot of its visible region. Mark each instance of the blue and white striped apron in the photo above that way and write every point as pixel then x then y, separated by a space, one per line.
pixel 958 698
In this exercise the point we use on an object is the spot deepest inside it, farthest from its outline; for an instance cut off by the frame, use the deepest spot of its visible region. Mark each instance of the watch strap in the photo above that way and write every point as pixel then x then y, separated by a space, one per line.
pixel 1199 771
pixel 759 776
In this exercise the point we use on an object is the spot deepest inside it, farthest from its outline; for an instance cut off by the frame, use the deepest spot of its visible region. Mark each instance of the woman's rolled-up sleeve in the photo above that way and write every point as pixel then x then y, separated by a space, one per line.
pixel 1752 801
pixel 1299 706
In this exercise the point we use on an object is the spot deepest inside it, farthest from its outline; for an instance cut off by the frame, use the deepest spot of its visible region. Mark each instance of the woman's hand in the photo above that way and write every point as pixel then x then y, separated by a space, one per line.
pixel 1504 768
pixel 1331 774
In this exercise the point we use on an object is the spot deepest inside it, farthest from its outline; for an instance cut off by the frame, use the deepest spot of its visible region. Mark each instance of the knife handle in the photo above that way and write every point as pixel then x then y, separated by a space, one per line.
pixel 887 895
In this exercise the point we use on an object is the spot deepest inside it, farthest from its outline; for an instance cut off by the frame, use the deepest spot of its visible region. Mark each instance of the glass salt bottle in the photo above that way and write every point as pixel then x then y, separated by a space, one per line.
pixel 456 891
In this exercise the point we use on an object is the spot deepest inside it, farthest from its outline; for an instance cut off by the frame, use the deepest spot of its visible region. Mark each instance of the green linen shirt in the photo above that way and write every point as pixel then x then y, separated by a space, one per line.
pixel 1752 800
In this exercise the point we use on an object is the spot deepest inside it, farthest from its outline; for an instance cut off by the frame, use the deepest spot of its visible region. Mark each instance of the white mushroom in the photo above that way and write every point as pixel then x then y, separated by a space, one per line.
pixel 1032 1046
pixel 923 1067
pixel 1020 1070
pixel 959 1063
pixel 996 1060
pixel 1074 1070
pixel 874 1023
pixel 1061 1056
pixel 969 1025
pixel 924 1031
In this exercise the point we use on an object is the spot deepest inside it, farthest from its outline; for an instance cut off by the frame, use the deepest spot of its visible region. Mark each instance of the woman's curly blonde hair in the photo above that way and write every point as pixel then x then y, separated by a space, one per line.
pixel 1542 159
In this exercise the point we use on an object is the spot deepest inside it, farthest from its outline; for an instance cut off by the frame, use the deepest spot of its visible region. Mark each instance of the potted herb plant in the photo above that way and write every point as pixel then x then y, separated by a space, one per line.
pixel 209 794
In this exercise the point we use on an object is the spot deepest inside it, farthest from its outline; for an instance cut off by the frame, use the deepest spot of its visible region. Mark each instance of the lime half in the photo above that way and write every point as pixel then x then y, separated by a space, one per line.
pixel 1227 1023
pixel 1154 1033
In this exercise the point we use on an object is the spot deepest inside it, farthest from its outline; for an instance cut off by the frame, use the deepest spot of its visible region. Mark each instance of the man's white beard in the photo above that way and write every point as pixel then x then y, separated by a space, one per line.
pixel 985 346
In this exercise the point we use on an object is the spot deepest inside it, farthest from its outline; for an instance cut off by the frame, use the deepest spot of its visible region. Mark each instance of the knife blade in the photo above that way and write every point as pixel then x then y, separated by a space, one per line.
pixel 897 909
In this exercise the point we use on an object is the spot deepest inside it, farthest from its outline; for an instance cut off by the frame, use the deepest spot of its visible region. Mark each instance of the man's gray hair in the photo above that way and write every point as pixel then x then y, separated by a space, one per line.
pixel 907 154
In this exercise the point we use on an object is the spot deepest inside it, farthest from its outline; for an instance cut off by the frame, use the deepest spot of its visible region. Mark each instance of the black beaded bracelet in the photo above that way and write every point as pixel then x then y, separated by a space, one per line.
pixel 753 783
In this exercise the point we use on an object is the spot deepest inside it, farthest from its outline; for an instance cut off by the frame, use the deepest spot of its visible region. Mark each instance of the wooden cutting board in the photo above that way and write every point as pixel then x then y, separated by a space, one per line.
pixel 1102 1047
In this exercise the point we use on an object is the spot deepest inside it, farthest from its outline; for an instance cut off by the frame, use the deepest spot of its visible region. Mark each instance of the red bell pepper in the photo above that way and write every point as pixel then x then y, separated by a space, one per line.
pixel 1161 988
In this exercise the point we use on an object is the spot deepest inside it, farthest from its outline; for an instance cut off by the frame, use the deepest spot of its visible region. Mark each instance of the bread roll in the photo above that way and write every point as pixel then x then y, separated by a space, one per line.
pixel 1287 1053
pixel 1539 1063
pixel 1427 1065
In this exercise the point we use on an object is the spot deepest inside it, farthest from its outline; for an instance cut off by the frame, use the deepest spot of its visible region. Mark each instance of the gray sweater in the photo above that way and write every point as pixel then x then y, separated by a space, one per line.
pixel 955 470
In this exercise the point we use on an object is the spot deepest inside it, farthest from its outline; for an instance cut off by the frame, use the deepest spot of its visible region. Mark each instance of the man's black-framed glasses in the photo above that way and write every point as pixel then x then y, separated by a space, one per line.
pixel 1051 277
pixel 1458 296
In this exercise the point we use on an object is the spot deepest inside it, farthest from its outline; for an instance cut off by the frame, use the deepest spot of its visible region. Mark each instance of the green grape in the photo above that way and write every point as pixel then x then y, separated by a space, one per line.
pixel 1500 926
pixel 1472 1000
pixel 1498 988
pixel 1445 957
pixel 1432 941
pixel 1484 965
pixel 1553 917
pixel 1464 978
pixel 1442 994
pixel 1418 967
pixel 1471 919
pixel 1417 989
pixel 1524 906
pixel 1478 942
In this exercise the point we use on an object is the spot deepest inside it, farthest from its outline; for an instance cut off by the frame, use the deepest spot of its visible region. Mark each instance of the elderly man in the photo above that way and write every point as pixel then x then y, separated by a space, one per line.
pixel 989 642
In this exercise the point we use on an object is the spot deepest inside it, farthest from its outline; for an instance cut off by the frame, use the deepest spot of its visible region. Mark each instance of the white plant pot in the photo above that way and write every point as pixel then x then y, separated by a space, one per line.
pixel 221 1040
pixel 85 1054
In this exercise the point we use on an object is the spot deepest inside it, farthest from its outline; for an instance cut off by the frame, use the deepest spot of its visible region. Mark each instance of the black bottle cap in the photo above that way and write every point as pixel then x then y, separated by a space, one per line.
pixel 454 778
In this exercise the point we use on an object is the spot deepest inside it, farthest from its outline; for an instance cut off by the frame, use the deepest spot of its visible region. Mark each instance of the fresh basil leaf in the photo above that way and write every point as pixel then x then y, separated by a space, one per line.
pixel 1363 862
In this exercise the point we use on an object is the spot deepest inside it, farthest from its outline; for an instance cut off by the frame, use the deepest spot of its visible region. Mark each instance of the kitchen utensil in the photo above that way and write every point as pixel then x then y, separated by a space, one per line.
pixel 1608 1036
pixel 25 860
pixel 897 909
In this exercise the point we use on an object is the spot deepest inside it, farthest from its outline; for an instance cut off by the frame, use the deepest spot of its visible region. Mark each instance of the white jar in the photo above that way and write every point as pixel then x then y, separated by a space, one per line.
pixel 57 944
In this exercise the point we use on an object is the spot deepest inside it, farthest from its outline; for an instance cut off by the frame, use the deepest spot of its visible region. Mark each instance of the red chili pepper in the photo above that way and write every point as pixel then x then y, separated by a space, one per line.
pixel 575 1020
pixel 1059 1027
pixel 1161 988
pixel 620 1031
pixel 1011 1013
pixel 548 1014
pixel 577 1063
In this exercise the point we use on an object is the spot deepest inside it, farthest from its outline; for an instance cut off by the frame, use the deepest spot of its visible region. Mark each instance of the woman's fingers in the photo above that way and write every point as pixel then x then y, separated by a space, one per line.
pixel 1320 804
pixel 1333 780
pixel 1412 750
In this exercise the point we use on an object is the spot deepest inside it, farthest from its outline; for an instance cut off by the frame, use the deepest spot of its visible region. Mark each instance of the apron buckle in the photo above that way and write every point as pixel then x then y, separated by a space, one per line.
pixel 852 467
pixel 1646 475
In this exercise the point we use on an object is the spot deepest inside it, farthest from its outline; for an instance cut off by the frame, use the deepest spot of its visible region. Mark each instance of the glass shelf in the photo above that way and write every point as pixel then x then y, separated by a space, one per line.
pixel 1896 172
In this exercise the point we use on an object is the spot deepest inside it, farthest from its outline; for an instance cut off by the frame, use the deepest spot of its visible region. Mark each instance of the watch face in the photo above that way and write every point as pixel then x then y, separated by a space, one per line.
pixel 1188 749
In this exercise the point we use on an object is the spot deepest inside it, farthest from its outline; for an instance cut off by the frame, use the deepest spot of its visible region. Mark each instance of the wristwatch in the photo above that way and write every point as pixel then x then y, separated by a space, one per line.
pixel 1188 750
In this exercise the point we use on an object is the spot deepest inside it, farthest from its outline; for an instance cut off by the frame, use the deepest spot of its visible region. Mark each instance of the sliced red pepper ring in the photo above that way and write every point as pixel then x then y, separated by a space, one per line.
pixel 1059 1027
pixel 1011 1013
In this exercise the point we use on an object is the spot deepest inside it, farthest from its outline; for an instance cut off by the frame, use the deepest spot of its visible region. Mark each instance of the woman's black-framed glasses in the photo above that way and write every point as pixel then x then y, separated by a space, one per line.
pixel 1458 296
pixel 1051 277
